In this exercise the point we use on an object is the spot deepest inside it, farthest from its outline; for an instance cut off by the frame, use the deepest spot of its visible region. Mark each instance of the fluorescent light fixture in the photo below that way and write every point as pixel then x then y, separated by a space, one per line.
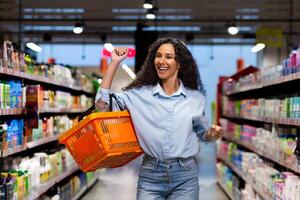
pixel 142 10
pixel 109 47
pixel 54 10
pixel 233 30
pixel 127 17
pixel 34 47
pixel 129 71
pixel 258 47
pixel 48 28
pixel 158 28
pixel 128 10
pixel 173 17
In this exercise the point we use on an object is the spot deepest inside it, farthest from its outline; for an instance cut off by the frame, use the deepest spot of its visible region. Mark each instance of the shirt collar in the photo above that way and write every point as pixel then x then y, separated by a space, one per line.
pixel 158 90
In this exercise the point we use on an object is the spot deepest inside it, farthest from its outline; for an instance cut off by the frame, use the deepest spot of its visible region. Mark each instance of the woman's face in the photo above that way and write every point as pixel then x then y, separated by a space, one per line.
pixel 165 63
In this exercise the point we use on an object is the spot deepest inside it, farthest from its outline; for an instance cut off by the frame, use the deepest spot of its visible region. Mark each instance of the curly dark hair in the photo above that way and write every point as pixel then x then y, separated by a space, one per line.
pixel 188 71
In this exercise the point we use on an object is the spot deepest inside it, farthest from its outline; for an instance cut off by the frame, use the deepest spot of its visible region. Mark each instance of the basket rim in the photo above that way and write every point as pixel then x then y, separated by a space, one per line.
pixel 93 116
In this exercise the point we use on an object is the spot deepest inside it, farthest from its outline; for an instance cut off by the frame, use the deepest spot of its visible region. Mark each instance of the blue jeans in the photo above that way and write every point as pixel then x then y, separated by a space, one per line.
pixel 174 179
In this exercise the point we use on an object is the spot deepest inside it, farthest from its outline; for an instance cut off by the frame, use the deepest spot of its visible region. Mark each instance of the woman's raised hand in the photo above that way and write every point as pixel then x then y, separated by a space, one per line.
pixel 119 54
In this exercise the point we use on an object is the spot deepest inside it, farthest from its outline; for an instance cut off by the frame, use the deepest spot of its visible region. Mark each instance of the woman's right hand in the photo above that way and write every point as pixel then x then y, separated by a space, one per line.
pixel 119 54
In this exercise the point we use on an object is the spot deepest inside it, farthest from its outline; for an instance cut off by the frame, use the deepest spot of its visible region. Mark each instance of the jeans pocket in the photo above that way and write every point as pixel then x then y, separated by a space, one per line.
pixel 189 164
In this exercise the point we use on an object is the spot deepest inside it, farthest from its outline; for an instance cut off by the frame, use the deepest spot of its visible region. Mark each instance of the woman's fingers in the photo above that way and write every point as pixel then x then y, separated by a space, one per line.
pixel 120 51
pixel 119 54
pixel 216 131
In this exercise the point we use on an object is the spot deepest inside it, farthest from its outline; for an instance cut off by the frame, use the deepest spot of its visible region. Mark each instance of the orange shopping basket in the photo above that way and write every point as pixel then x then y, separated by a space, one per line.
pixel 102 140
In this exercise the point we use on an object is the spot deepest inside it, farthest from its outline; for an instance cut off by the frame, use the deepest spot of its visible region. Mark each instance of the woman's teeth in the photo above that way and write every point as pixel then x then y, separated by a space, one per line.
pixel 162 68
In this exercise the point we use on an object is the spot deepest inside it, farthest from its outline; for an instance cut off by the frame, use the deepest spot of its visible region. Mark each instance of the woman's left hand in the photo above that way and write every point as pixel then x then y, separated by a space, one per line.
pixel 214 132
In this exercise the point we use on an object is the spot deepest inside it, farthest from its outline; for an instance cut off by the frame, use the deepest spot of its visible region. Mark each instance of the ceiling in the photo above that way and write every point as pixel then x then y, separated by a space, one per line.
pixel 197 21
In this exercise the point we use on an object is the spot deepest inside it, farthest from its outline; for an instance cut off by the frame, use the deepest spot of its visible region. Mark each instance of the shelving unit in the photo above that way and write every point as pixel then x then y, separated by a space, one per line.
pixel 281 158
pixel 292 122
pixel 28 145
pixel 265 84
pixel 41 80
pixel 259 188
pixel 54 85
pixel 85 188
pixel 46 186
pixel 261 90
pixel 225 190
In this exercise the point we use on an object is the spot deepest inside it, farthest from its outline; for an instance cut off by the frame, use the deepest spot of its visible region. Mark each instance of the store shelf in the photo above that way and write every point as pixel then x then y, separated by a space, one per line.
pixel 41 79
pixel 84 189
pixel 30 145
pixel 42 141
pixel 292 122
pixel 225 189
pixel 281 158
pixel 58 111
pixel 46 186
pixel 259 188
pixel 11 111
pixel 268 83
pixel 15 150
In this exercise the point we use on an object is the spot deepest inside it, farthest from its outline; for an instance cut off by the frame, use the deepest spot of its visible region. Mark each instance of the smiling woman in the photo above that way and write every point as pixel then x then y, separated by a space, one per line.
pixel 166 65
pixel 166 102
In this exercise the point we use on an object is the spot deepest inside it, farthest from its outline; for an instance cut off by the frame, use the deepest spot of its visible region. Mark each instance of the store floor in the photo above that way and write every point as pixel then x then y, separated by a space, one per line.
pixel 121 183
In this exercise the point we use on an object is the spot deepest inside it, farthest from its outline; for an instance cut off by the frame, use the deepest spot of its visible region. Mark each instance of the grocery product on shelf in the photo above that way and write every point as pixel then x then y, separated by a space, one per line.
pixel 25 176
pixel 228 181
pixel 266 75
pixel 273 182
pixel 261 129
pixel 38 101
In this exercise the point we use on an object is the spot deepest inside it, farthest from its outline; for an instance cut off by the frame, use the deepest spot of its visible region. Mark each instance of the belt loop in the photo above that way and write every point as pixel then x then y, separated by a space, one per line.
pixel 181 164
pixel 156 163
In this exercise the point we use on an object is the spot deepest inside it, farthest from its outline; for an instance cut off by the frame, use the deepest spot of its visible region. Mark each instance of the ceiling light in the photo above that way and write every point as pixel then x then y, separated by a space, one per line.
pixel 232 29
pixel 148 4
pixel 33 47
pixel 78 28
pixel 128 71
pixel 150 14
pixel 258 47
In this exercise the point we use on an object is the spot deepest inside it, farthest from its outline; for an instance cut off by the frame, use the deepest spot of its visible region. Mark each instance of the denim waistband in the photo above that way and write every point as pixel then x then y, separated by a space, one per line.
pixel 171 160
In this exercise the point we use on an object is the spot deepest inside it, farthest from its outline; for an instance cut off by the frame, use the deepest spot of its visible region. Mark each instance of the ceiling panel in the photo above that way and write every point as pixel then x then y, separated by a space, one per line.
pixel 118 17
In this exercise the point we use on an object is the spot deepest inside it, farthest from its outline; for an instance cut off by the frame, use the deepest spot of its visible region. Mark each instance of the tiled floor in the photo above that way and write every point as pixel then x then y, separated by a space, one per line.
pixel 120 183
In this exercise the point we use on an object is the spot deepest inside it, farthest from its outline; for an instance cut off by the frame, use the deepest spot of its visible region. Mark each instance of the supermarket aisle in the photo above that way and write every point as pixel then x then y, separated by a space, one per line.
pixel 121 183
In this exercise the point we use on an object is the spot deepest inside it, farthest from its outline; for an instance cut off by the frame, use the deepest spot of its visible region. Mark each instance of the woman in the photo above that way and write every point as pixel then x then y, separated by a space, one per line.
pixel 166 102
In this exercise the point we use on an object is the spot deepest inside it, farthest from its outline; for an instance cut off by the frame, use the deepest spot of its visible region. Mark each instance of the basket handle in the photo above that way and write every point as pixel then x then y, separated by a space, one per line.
pixel 86 112
pixel 93 108
pixel 113 96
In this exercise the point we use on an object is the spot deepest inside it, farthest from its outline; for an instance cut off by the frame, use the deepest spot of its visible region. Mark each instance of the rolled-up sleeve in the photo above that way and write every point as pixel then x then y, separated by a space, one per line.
pixel 200 122
pixel 200 127
pixel 102 100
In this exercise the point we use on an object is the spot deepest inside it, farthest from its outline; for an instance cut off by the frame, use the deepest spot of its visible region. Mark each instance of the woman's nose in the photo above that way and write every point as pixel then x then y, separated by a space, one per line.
pixel 161 60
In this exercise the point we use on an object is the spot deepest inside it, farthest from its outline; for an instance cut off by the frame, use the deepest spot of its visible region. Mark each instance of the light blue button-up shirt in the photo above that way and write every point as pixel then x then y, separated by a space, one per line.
pixel 166 126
